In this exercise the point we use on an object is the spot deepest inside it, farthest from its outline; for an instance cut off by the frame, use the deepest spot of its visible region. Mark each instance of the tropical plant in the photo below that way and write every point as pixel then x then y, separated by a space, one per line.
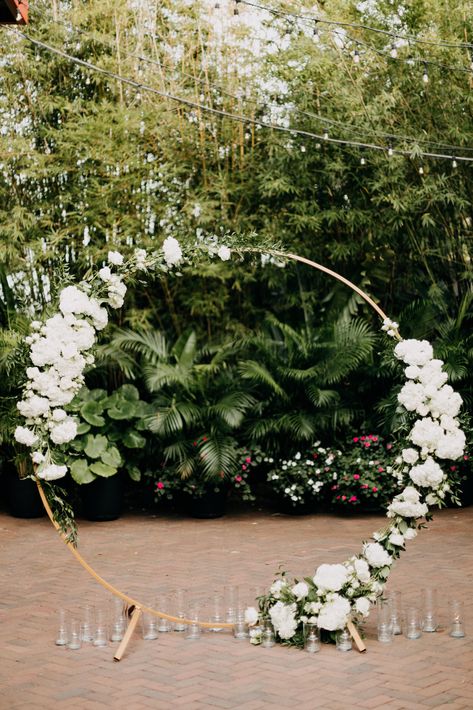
pixel 302 380
pixel 198 401
pixel 110 435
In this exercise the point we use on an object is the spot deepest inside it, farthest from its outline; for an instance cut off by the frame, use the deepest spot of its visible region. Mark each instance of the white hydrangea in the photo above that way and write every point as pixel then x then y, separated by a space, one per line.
pixel 427 474
pixel 172 251
pixel 105 273
pixel 33 406
pixel 426 433
pixel 362 570
pixel 376 555
pixel 25 436
pixel 408 504
pixel 330 577
pixel 445 401
pixel 276 588
pixel 73 300
pixel 51 472
pixel 64 431
pixel 334 614
pixel 414 352
pixel 251 616
pixel 432 374
pixel 413 397
pixel 451 445
pixel 396 538
pixel 283 617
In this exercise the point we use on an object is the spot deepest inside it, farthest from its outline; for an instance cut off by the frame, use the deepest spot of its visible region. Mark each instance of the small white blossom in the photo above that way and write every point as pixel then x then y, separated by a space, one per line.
pixel 115 258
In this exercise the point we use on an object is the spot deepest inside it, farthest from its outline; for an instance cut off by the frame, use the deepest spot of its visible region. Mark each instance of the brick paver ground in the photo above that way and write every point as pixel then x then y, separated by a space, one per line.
pixel 145 555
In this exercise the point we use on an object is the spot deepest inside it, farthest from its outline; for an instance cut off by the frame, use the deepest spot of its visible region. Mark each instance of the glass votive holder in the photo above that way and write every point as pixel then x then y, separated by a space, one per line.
pixel 87 624
pixel 343 640
pixel 193 629
pixel 311 635
pixel 164 625
pixel 180 610
pixel 429 610
pixel 240 627
pixel 457 629
pixel 267 635
pixel 74 641
pixel 100 635
pixel 217 613
pixel 384 620
pixel 62 635
pixel 395 601
pixel 231 595
pixel 412 624
pixel 149 626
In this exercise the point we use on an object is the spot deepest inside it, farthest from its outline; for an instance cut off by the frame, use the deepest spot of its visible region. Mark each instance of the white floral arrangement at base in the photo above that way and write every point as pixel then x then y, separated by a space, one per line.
pixel 339 593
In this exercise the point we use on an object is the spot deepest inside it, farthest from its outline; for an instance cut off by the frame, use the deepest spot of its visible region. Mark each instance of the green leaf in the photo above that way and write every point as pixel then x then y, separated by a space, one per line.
pixel 134 473
pixel 81 472
pixel 96 445
pixel 83 428
pixel 103 470
pixel 91 412
pixel 112 457
pixel 124 410
pixel 129 392
pixel 133 440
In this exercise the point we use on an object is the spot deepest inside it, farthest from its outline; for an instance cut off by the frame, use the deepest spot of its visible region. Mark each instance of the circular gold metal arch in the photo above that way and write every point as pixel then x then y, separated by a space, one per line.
pixel 88 568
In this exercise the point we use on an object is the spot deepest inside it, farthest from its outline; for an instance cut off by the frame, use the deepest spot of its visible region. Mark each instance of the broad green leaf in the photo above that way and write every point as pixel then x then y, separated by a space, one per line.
pixel 103 470
pixel 96 445
pixel 83 428
pixel 134 473
pixel 112 457
pixel 133 440
pixel 91 412
pixel 81 472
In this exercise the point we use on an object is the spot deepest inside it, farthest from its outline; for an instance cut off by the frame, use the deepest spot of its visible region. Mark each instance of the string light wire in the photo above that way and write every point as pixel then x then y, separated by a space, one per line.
pixel 349 127
pixel 228 114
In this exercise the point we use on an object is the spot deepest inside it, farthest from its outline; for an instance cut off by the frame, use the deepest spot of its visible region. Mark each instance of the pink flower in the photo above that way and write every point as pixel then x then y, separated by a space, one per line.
pixel 334 488
pixel 248 459
pixel 365 485
pixel 367 444
pixel 344 497
pixel 244 467
pixel 374 489
pixel 160 485
pixel 363 438
pixel 338 498
pixel 353 499
pixel 453 468
pixel 238 479
pixel 389 446
pixel 355 439
pixel 374 438
pixel 356 476
pixel 380 469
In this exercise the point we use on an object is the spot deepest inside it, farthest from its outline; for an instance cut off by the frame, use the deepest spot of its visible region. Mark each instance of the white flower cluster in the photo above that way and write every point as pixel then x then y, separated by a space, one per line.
pixel 59 352
pixel 390 327
pixel 407 504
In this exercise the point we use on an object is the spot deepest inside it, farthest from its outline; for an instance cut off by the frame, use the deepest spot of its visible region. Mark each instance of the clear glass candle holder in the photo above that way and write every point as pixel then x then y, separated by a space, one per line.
pixel 62 635
pixel 311 635
pixel 267 635
pixel 457 628
pixel 395 601
pixel 412 624
pixel 101 628
pixel 429 610
pixel 149 626
pixel 343 640
pixel 217 613
pixel 180 610
pixel 231 595
pixel 164 625
pixel 74 642
pixel 385 620
pixel 240 627
pixel 87 623
pixel 193 629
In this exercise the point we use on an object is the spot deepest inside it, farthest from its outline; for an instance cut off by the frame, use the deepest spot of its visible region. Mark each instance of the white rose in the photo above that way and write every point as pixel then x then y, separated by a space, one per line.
pixel 251 616
pixel 410 534
pixel 283 619
pixel 300 590
pixel 362 606
pixel 330 577
pixel 396 538
pixel 172 251
pixel 428 474
pixel 362 570
pixel 115 258
pixel 276 588
pixel 410 456
pixel 105 273
pixel 64 431
pixel 376 555
pixel 51 472
pixel 334 614
pixel 414 352
pixel 224 253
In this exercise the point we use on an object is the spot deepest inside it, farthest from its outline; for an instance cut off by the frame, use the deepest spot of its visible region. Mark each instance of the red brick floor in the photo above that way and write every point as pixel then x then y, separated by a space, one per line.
pixel 146 555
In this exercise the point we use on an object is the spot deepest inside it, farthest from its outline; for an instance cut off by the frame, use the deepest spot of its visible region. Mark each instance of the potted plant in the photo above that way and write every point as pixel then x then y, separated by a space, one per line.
pixel 300 481
pixel 109 442
pixel 363 478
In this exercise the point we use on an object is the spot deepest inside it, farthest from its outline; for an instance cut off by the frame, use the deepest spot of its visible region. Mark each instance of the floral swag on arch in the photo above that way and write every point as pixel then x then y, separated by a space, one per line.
pixel 60 348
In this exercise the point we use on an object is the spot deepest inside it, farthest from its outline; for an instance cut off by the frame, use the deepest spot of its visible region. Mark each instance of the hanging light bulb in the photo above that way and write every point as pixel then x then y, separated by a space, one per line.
pixel 362 160
pixel 454 163
pixel 393 51
pixel 325 135
pixel 421 170
pixel 316 35
pixel 425 75
pixel 356 57
pixel 236 11
pixel 390 151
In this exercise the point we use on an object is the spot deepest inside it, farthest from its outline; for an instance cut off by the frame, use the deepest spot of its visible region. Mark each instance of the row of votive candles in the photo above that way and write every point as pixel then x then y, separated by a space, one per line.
pixel 414 618
pixel 101 624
